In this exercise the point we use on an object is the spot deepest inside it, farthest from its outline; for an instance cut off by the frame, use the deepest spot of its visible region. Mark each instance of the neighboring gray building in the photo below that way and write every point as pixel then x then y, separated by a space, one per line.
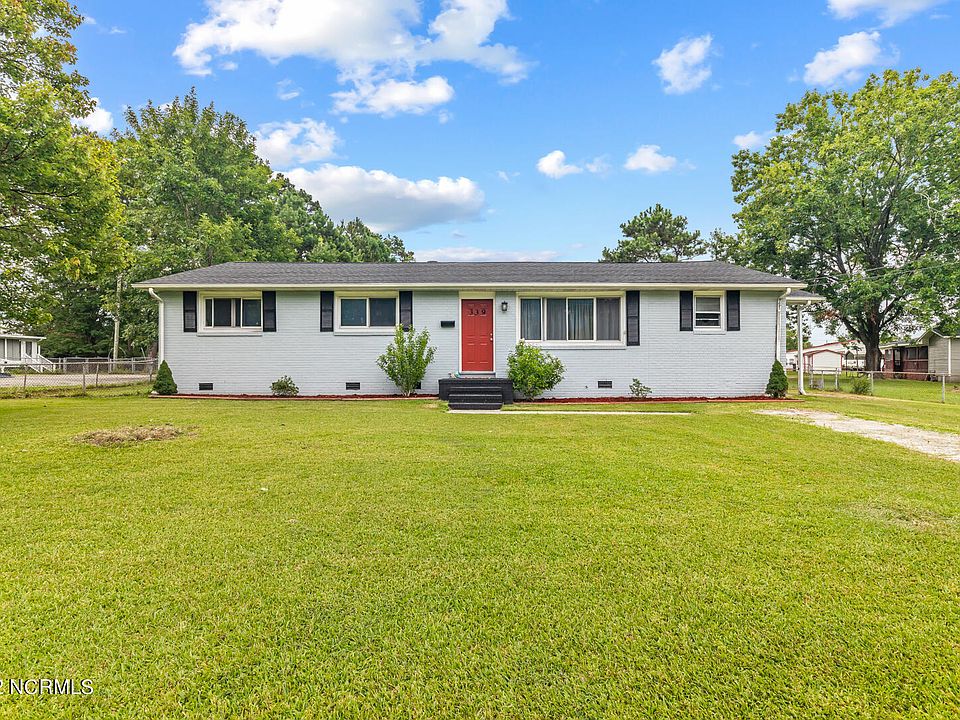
pixel 688 329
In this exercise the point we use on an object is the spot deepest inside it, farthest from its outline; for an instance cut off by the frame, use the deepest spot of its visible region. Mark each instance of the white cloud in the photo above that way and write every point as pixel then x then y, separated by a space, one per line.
pixel 648 158
pixel 286 91
pixel 752 140
pixel 683 68
pixel 598 165
pixel 287 143
pixel 99 120
pixel 890 12
pixel 554 165
pixel 228 65
pixel 393 96
pixel 507 176
pixel 470 253
pixel 370 41
pixel 845 61
pixel 387 202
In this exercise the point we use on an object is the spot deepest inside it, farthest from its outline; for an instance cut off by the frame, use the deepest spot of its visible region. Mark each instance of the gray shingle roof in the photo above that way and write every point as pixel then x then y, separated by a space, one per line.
pixel 468 273
pixel 802 296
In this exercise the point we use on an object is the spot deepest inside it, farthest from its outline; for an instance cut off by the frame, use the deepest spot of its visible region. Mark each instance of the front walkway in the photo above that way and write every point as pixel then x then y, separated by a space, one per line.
pixel 938 444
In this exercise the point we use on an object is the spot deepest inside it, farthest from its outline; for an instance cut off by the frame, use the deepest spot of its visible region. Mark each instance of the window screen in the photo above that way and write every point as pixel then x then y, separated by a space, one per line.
pixel 353 312
pixel 608 318
pixel 556 319
pixel 580 319
pixel 251 313
pixel 383 312
pixel 531 323
pixel 707 311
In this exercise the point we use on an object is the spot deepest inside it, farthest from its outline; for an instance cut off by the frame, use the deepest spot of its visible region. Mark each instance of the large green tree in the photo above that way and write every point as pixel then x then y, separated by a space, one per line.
pixel 196 194
pixel 58 183
pixel 655 235
pixel 859 195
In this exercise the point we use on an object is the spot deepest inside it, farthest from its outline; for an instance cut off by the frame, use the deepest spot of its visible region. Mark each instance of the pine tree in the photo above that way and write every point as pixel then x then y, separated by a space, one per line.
pixel 777 384
pixel 164 384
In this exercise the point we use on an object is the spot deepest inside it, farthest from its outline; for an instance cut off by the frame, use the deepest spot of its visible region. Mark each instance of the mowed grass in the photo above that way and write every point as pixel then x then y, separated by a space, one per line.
pixel 387 559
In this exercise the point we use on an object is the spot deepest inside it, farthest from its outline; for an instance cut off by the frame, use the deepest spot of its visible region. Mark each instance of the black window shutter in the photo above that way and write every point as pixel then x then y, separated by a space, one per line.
pixel 269 310
pixel 733 309
pixel 189 310
pixel 326 311
pixel 633 317
pixel 406 309
pixel 686 310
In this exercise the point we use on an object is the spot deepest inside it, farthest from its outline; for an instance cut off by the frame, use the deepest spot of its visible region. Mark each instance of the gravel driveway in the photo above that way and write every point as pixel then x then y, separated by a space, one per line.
pixel 938 444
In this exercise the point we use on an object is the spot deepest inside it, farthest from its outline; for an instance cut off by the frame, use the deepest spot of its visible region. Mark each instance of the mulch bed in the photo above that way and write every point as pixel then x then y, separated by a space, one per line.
pixel 541 401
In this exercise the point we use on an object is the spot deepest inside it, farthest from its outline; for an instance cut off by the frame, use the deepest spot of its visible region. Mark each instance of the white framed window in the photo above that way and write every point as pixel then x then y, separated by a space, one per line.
pixel 575 319
pixel 367 313
pixel 231 312
pixel 708 311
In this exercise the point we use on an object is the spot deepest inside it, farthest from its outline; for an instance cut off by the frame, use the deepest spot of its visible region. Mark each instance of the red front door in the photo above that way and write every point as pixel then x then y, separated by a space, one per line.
pixel 476 335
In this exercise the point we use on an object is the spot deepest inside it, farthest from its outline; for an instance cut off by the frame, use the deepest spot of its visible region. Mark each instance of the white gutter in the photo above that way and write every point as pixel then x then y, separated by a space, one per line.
pixel 800 347
pixel 780 306
pixel 159 323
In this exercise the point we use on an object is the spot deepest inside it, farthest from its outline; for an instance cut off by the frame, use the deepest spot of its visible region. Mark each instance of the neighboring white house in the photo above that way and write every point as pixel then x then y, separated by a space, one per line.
pixel 688 329
pixel 830 357
pixel 22 350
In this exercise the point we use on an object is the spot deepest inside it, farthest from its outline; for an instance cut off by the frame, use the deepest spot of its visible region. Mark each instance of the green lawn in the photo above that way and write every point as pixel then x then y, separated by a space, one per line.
pixel 387 559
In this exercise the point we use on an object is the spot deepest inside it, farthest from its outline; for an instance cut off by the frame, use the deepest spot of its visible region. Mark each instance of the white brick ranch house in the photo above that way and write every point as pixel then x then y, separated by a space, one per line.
pixel 690 329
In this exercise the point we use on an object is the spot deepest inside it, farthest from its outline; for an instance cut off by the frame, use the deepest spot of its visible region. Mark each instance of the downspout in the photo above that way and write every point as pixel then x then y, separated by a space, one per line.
pixel 800 348
pixel 160 324
pixel 780 306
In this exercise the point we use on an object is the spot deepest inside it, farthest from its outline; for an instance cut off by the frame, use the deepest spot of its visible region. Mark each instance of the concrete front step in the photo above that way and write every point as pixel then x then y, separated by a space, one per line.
pixel 475 405
pixel 475 397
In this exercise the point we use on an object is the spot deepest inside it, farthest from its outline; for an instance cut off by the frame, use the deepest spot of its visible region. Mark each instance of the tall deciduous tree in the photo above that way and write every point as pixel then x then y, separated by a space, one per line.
pixel 655 235
pixel 196 194
pixel 58 183
pixel 859 194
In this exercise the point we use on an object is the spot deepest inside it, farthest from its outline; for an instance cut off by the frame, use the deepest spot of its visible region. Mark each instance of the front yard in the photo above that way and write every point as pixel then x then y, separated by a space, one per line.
pixel 387 559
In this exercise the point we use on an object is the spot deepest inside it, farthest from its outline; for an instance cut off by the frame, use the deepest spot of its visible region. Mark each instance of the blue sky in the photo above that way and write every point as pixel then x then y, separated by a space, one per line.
pixel 445 121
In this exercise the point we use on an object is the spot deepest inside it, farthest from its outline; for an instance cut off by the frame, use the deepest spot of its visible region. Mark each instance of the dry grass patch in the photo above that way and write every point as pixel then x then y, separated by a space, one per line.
pixel 128 435
pixel 915 519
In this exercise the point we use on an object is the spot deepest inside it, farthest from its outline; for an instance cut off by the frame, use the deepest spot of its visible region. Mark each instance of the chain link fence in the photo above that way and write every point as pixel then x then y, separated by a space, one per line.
pixel 63 377
pixel 897 385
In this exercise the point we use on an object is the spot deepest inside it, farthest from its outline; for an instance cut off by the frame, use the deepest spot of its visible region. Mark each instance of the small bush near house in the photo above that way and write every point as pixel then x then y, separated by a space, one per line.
pixel 861 386
pixel 638 389
pixel 163 384
pixel 777 384
pixel 407 358
pixel 533 371
pixel 284 387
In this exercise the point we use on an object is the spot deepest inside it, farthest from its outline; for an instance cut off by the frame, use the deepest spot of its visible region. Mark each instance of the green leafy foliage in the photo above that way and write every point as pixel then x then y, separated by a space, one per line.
pixel 407 358
pixel 163 383
pixel 638 389
pixel 58 183
pixel 777 383
pixel 284 386
pixel 655 235
pixel 861 385
pixel 858 194
pixel 533 371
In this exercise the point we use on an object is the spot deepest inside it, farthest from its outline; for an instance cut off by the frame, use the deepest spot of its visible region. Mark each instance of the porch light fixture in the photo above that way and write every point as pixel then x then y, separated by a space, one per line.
pixel 503 306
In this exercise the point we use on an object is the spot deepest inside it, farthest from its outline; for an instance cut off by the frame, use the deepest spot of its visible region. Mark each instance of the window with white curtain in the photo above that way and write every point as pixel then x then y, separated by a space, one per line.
pixel 708 311
pixel 571 319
